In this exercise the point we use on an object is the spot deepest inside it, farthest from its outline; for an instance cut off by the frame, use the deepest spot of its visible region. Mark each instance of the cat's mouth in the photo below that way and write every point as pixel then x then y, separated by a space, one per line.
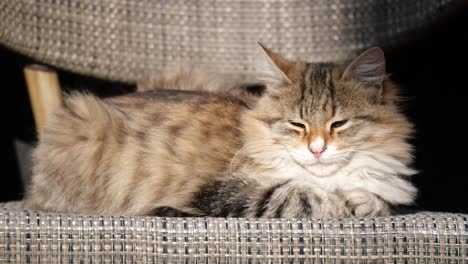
pixel 322 167
pixel 307 159
pixel 324 163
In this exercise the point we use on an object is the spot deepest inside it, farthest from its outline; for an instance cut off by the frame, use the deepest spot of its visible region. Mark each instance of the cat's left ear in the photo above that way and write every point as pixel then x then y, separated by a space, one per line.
pixel 368 68
pixel 271 67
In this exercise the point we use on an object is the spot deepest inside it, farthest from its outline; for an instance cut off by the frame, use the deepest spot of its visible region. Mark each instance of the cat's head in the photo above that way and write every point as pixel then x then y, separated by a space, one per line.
pixel 322 117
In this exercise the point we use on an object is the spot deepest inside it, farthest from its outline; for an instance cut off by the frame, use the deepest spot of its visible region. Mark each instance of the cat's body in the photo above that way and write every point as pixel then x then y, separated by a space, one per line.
pixel 135 151
pixel 319 143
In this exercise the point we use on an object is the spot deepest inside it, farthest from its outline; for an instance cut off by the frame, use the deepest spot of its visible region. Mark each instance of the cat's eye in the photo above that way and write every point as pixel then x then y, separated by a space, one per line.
pixel 297 124
pixel 338 124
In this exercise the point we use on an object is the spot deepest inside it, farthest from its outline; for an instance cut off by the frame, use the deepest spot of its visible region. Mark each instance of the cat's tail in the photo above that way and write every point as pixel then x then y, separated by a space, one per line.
pixel 186 78
pixel 73 143
pixel 190 78
pixel 83 117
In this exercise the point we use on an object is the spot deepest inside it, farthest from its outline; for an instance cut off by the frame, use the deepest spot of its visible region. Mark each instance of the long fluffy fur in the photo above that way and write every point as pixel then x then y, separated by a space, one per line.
pixel 199 79
pixel 210 153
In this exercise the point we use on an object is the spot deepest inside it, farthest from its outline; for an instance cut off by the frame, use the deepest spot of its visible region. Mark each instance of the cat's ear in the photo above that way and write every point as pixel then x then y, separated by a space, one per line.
pixel 272 68
pixel 368 68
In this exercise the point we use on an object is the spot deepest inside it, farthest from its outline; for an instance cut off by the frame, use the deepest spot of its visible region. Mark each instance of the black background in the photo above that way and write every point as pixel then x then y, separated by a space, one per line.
pixel 432 70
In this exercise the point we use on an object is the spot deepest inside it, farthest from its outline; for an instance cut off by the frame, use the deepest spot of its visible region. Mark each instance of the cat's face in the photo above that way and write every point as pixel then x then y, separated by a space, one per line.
pixel 321 118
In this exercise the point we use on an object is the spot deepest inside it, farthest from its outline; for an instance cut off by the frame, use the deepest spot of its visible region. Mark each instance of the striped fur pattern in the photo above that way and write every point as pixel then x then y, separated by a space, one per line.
pixel 323 140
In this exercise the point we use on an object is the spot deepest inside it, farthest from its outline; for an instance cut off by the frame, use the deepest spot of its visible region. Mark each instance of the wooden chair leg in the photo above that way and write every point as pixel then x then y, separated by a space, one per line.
pixel 44 93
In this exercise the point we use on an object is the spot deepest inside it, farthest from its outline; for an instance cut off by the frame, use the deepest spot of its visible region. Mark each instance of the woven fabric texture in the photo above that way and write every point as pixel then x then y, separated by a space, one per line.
pixel 127 39
pixel 30 236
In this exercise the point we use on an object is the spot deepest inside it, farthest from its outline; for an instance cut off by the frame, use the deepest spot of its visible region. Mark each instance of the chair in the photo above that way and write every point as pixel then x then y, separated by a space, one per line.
pixel 128 40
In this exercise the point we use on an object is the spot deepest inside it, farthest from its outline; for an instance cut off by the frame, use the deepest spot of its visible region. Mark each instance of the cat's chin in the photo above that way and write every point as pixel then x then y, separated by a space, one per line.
pixel 321 168
pixel 327 165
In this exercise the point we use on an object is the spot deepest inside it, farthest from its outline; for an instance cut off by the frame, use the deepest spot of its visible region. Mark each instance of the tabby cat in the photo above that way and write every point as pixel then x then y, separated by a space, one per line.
pixel 322 141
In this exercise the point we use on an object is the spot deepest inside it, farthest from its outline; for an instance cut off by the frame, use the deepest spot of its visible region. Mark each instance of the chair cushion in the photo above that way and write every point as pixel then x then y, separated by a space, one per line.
pixel 27 236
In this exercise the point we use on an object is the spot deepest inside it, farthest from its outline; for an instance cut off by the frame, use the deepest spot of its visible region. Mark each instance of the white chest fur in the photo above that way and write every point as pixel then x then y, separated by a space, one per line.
pixel 383 176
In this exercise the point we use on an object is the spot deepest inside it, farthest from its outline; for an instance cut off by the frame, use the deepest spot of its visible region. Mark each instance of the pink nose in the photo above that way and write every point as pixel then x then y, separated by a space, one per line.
pixel 318 152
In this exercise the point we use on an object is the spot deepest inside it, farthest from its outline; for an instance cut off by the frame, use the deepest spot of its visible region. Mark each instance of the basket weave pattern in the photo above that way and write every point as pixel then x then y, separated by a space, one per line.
pixel 30 236
pixel 127 39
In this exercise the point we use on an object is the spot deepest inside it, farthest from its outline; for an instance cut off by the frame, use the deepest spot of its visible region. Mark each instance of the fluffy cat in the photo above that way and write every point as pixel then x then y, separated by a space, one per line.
pixel 322 141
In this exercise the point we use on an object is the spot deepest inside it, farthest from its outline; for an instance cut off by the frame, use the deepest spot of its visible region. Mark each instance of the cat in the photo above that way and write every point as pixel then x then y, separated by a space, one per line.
pixel 323 140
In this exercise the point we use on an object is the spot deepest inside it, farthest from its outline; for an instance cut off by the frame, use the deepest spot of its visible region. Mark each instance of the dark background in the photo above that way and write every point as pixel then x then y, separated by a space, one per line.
pixel 431 68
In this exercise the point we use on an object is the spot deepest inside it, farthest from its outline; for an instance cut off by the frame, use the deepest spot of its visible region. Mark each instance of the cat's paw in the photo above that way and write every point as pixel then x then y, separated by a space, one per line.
pixel 292 201
pixel 362 203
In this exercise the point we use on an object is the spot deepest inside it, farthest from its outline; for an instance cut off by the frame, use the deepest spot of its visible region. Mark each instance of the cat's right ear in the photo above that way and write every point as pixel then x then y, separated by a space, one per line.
pixel 368 68
pixel 272 68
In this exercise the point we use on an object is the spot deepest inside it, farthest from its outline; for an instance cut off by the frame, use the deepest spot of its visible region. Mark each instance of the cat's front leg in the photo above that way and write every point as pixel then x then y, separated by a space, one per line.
pixel 167 211
pixel 244 197
pixel 291 200
pixel 363 203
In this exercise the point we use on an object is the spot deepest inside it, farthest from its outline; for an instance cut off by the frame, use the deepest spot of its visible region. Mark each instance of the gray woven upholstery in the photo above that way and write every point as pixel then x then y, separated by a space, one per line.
pixel 126 39
pixel 29 236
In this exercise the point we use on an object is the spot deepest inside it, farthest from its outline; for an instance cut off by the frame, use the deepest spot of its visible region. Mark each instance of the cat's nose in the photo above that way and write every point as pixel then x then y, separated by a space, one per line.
pixel 318 152
pixel 317 147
